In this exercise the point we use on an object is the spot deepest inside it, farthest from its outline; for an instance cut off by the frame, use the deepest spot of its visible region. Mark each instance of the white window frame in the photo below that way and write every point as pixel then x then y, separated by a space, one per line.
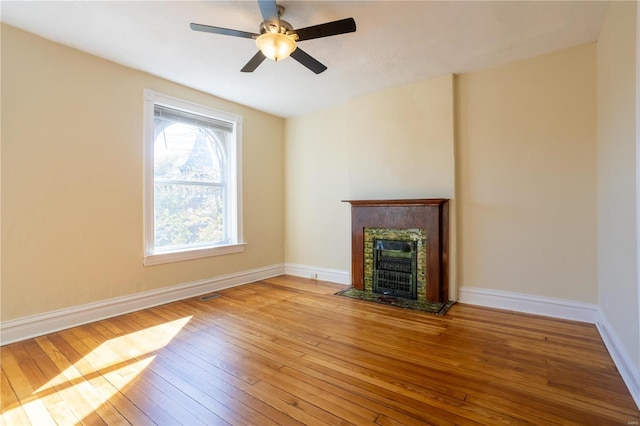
pixel 233 202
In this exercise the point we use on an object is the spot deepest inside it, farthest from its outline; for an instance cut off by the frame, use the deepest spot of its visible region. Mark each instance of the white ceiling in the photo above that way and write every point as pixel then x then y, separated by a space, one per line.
pixel 396 42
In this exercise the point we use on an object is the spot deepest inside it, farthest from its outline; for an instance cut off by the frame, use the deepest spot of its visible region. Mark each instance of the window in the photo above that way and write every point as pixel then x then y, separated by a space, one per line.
pixel 192 203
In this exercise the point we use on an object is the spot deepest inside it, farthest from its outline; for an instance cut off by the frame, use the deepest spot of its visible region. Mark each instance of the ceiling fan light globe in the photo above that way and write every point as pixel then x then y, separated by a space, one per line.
pixel 276 46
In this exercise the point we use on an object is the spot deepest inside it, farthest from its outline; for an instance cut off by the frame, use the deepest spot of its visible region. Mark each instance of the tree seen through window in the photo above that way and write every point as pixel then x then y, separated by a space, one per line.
pixel 189 185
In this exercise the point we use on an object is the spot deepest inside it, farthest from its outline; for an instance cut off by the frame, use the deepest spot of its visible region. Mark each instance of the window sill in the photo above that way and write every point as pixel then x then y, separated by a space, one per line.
pixel 177 256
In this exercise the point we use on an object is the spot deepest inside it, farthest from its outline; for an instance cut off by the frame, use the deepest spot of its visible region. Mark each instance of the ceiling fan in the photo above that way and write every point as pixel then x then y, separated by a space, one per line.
pixel 278 40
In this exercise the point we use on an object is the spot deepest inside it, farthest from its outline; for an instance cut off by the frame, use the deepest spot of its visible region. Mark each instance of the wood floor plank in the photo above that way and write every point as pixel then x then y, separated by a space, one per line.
pixel 287 351
pixel 387 402
pixel 35 408
pixel 10 406
pixel 176 356
pixel 166 409
pixel 251 336
pixel 79 395
pixel 76 352
pixel 233 404
pixel 332 353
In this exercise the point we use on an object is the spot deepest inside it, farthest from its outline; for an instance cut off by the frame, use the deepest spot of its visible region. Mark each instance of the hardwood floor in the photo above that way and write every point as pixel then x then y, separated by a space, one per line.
pixel 287 351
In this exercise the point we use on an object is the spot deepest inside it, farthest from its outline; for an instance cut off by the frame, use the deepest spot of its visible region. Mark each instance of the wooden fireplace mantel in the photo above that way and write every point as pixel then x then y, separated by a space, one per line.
pixel 431 215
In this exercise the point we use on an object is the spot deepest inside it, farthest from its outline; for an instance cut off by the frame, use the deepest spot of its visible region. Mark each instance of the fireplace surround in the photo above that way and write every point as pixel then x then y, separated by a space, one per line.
pixel 422 223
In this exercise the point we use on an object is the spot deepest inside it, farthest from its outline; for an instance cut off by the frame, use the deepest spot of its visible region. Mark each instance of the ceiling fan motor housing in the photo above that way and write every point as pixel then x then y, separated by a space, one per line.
pixel 271 27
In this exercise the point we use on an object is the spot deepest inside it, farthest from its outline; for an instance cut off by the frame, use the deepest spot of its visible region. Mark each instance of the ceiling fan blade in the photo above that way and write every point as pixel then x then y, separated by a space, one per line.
pixel 254 62
pixel 305 59
pixel 223 31
pixel 269 10
pixel 342 26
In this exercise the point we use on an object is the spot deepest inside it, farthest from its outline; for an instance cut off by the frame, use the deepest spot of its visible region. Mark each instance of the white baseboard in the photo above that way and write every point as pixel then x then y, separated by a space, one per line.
pixel 324 274
pixel 628 370
pixel 37 325
pixel 558 308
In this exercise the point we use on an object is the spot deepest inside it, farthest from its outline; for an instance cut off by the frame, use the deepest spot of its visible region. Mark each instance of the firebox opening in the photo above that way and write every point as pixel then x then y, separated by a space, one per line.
pixel 395 268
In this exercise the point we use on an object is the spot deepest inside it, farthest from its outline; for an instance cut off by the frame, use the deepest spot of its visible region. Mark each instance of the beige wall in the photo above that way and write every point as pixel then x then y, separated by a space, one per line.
pixel 72 181
pixel 526 175
pixel 317 222
pixel 617 170
pixel 400 142
pixel 397 143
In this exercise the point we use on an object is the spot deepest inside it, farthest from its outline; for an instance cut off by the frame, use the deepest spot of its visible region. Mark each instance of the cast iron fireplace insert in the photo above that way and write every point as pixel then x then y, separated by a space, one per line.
pixel 395 268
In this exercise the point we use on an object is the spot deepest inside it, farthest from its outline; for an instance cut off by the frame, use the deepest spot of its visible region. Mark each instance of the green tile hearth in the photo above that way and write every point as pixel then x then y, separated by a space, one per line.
pixel 437 308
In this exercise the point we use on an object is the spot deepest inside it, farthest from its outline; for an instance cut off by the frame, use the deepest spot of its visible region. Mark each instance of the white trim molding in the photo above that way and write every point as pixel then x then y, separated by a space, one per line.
pixel 176 256
pixel 318 273
pixel 37 325
pixel 628 370
pixel 547 306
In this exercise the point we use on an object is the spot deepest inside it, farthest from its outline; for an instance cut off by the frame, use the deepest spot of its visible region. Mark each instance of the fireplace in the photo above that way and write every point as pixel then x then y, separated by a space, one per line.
pixel 395 267
pixel 400 248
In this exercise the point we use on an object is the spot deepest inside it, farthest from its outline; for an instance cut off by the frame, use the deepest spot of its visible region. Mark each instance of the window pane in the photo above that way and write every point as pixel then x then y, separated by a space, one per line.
pixel 192 200
pixel 186 152
pixel 187 214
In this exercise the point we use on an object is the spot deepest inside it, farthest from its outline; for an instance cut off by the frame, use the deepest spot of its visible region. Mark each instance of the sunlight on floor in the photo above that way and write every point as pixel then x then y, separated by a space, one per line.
pixel 91 381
